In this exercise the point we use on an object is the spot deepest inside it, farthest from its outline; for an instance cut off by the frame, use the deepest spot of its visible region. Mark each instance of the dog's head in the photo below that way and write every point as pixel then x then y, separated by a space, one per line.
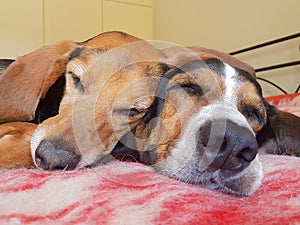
pixel 201 126
pixel 31 85
pixel 105 89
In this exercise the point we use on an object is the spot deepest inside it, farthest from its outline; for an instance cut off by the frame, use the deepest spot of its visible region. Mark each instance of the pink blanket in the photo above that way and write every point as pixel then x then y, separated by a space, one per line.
pixel 130 193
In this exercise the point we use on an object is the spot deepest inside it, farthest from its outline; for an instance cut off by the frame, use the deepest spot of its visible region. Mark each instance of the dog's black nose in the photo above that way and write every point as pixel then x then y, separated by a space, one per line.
pixel 54 156
pixel 227 145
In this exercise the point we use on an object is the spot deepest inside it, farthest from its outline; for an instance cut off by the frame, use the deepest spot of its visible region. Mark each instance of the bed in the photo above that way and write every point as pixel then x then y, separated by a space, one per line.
pixel 131 193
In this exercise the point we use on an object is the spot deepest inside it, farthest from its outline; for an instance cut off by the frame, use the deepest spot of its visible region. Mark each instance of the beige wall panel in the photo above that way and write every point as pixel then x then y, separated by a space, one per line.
pixel 21 25
pixel 131 18
pixel 135 2
pixel 72 19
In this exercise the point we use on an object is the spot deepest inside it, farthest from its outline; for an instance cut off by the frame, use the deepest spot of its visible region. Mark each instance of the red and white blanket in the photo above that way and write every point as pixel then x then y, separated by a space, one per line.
pixel 131 193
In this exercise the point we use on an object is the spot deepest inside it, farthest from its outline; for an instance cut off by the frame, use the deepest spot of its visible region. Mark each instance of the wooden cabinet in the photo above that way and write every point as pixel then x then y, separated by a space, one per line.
pixel 21 27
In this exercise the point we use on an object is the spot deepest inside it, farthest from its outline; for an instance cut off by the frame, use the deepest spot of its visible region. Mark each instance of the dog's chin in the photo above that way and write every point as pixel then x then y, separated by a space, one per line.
pixel 243 183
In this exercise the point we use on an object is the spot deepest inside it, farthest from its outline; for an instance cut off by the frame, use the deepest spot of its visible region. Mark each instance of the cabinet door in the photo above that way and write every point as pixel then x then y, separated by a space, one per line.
pixel 75 20
pixel 21 25
pixel 129 16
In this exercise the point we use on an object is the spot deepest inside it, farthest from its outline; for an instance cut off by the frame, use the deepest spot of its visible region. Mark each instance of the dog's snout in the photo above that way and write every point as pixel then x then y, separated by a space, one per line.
pixel 52 156
pixel 227 145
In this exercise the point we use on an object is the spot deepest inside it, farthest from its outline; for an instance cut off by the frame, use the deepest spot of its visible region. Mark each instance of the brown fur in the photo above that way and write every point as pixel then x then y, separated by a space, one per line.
pixel 28 79
pixel 281 135
pixel 108 92
pixel 15 143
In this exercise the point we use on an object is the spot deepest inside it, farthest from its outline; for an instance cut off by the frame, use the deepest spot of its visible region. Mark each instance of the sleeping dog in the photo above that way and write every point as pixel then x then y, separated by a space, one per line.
pixel 193 117
pixel 32 87
pixel 197 123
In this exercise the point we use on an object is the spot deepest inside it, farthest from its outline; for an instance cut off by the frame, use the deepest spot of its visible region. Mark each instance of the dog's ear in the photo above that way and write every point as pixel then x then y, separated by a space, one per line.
pixel 281 134
pixel 28 79
pixel 15 144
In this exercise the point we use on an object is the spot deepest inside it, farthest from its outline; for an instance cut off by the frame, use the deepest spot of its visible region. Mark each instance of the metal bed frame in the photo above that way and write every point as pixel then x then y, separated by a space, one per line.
pixel 276 66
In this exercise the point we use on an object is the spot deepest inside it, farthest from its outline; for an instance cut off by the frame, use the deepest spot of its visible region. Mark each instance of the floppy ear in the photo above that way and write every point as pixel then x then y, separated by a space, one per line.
pixel 281 134
pixel 28 79
pixel 15 144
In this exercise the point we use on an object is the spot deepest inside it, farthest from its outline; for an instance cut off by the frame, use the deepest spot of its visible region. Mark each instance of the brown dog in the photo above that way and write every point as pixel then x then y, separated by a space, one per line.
pixel 32 86
pixel 105 88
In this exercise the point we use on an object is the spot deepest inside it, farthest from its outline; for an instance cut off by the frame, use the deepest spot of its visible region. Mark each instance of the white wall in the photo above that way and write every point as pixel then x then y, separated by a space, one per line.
pixel 234 24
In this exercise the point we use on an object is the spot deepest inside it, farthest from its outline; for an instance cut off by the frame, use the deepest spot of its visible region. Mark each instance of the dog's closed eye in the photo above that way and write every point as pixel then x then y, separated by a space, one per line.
pixel 77 82
pixel 192 89
pixel 254 116
pixel 131 112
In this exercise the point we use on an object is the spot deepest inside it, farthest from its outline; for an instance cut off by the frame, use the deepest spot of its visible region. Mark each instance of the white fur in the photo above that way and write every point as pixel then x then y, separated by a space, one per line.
pixel 184 161
pixel 186 145
pixel 36 139
pixel 230 85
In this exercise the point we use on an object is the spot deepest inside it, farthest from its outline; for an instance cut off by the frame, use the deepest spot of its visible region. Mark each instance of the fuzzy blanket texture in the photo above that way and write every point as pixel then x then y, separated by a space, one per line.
pixel 131 193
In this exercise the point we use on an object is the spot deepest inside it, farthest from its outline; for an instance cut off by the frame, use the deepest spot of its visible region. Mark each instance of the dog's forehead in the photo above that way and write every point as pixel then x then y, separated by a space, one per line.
pixel 231 80
pixel 226 71
pixel 82 58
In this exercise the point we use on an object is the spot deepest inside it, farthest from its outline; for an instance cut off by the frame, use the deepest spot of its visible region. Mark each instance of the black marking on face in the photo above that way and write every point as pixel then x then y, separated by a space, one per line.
pixel 157 105
pixel 216 65
pixel 244 76
pixel 75 53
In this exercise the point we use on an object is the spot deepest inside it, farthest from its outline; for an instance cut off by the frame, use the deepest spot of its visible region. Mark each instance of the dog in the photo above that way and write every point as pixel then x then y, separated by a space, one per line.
pixel 202 122
pixel 98 102
pixel 213 120
pixel 32 87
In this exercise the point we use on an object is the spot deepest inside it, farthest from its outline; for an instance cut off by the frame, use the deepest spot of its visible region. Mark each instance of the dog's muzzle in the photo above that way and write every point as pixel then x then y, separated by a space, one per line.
pixel 225 145
pixel 53 155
